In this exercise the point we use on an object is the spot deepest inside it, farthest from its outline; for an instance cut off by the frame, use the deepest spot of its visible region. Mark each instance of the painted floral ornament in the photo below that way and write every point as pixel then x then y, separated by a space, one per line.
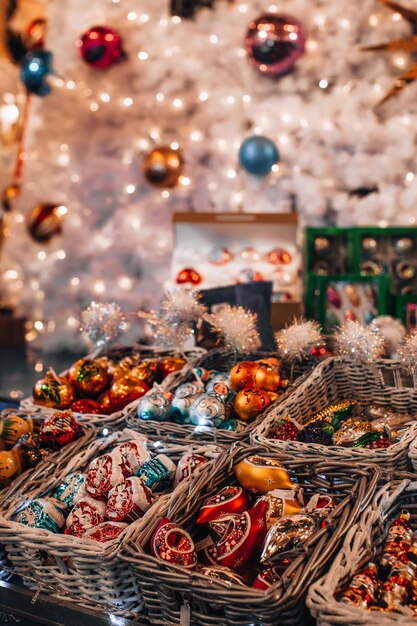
pixel 173 544
pixel 288 534
pixel 229 500
pixel 53 391
pixel 187 465
pixel 88 378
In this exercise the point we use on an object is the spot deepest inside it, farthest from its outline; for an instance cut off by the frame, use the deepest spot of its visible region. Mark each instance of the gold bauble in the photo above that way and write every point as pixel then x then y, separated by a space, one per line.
pixel 54 392
pixel 10 466
pixel 248 403
pixel 88 378
pixel 267 378
pixel 45 220
pixel 13 427
pixel 260 474
pixel 104 401
pixel 272 362
pixel 9 195
pixel 125 390
pixel 171 364
pixel 242 374
pixel 147 371
pixel 278 506
pixel 163 166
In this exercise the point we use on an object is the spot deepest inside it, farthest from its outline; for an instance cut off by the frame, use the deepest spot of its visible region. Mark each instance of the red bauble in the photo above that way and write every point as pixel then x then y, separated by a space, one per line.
pixel 188 275
pixel 60 429
pixel 86 406
pixel 228 500
pixel 100 47
pixel 285 430
pixel 124 390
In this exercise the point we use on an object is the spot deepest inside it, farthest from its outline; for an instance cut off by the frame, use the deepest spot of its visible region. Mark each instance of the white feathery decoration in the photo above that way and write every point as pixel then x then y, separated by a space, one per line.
pixel 359 342
pixel 102 324
pixel 173 323
pixel 392 330
pixel 408 354
pixel 236 326
pixel 297 340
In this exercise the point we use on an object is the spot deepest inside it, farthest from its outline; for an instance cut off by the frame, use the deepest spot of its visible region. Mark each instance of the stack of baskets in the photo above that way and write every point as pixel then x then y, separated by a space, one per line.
pixel 221 360
pixel 362 544
pixel 383 383
pixel 80 570
pixel 169 591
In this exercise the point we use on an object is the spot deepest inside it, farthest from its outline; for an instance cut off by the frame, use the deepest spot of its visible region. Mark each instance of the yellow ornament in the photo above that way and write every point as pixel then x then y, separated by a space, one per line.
pixel 9 195
pixel 147 371
pixel 88 378
pixel 279 505
pixel 259 474
pixel 248 403
pixel 54 392
pixel 13 427
pixel 10 466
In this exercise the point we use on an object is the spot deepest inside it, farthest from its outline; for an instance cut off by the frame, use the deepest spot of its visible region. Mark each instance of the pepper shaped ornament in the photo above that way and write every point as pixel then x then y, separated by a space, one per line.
pixel 54 392
pixel 239 538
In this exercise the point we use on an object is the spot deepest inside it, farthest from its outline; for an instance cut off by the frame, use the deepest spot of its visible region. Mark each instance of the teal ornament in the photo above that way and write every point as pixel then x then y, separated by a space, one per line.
pixel 202 373
pixel 368 316
pixel 221 387
pixel 207 410
pixel 189 389
pixel 35 68
pixel 231 424
pixel 158 473
pixel 42 513
pixel 70 490
pixel 257 155
pixel 155 405
pixel 180 409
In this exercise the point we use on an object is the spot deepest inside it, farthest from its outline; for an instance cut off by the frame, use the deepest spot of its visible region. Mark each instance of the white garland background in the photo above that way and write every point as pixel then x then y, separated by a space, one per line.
pixel 189 82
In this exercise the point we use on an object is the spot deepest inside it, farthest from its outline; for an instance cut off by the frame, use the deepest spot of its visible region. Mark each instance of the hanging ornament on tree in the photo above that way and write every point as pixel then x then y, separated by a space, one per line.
pixel 359 342
pixel 100 47
pixel 274 41
pixel 35 68
pixel 102 324
pixel 257 155
pixel 12 104
pixel 188 276
pixel 9 195
pixel 44 221
pixel 297 341
pixel 163 166
pixel 236 326
pixel 34 36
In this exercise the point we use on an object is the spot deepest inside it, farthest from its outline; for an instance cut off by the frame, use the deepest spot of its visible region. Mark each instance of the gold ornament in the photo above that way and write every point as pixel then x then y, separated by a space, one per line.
pixel 163 166
pixel 54 392
pixel 267 378
pixel 406 44
pixel 44 221
pixel 10 466
pixel 260 474
pixel 88 378
pixel 171 364
pixel 327 413
pixel 125 390
pixel 104 401
pixel 272 362
pixel 147 371
pixel 248 403
pixel 351 430
pixel 241 375
pixel 278 506
pixel 13 427
pixel 9 195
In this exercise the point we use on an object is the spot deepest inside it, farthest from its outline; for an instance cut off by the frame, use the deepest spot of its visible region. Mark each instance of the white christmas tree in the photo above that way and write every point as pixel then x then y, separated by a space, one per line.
pixel 188 83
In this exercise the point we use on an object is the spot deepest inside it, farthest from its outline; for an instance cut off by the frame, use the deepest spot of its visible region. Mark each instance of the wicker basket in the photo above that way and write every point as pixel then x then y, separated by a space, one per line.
pixel 117 419
pixel 336 379
pixel 77 569
pixel 221 360
pixel 362 544
pixel 169 590
pixel 412 453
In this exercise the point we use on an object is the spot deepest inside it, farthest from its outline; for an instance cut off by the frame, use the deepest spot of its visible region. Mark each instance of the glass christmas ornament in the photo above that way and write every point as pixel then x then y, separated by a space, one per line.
pixel 274 41
pixel 35 68
pixel 257 155
pixel 44 221
pixel 100 47
pixel 163 166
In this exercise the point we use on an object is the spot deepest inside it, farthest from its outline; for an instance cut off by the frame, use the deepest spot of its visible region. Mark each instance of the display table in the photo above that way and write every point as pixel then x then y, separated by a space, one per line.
pixel 19 605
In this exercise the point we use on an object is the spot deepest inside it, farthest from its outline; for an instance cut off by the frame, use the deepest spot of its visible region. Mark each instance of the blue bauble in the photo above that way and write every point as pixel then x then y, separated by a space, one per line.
pixel 154 405
pixel 207 410
pixel 257 155
pixel 368 316
pixel 35 69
